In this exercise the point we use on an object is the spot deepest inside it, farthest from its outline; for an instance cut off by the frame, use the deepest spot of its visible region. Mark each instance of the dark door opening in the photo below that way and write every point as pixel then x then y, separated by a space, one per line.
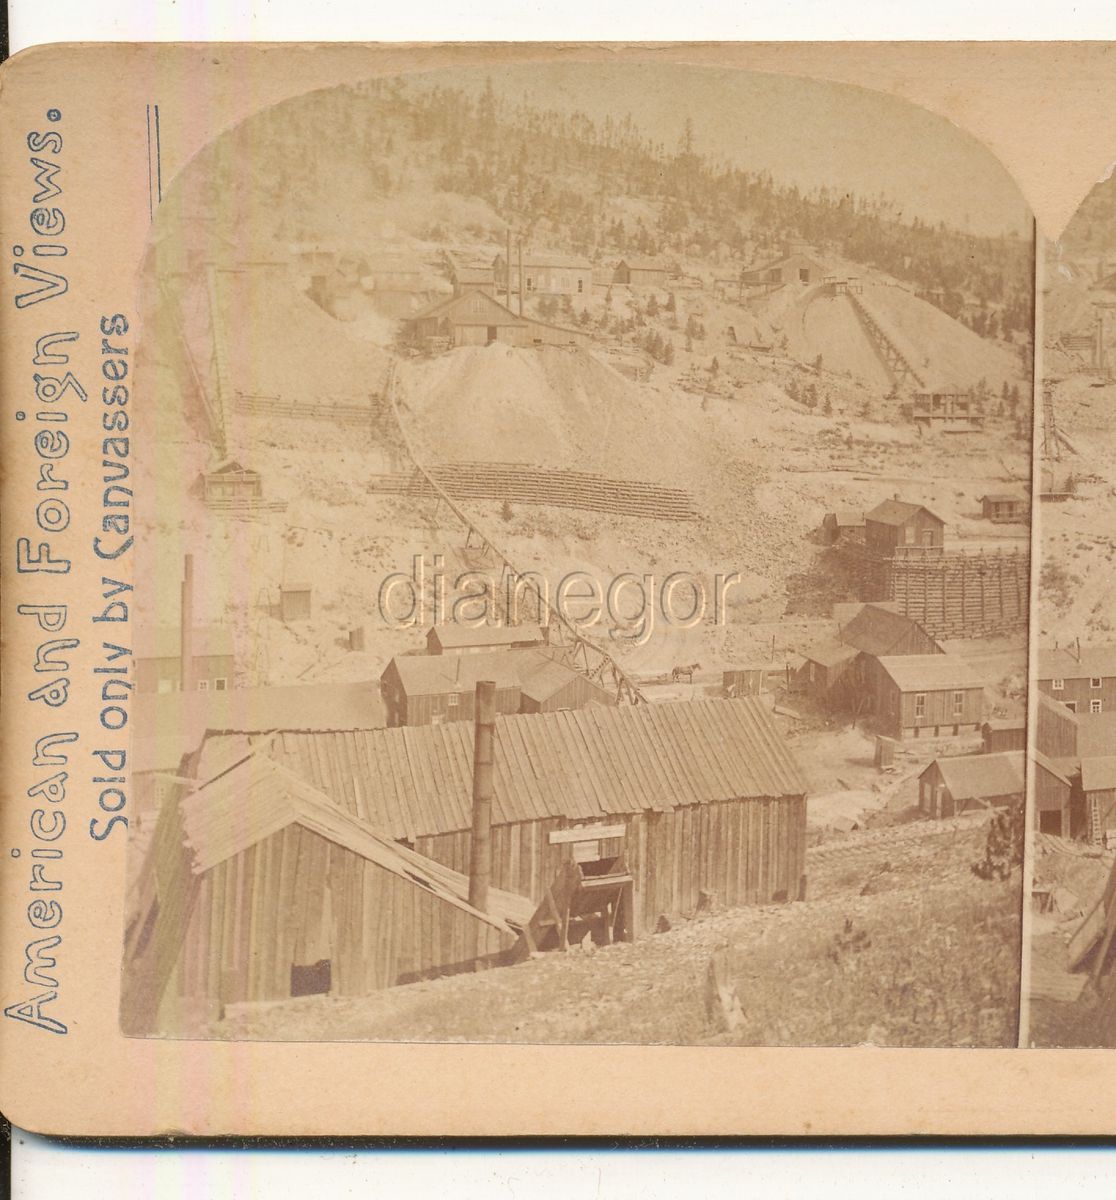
pixel 312 979
pixel 491 334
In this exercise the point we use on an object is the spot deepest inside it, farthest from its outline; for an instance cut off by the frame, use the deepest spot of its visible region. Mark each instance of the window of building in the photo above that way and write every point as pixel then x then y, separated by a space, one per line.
pixel 1095 681
pixel 220 685
pixel 1058 685
pixel 453 699
pixel 530 284
pixel 580 285
pixel 1096 706
pixel 203 685
pixel 475 304
pixel 958 703
pixel 804 274
pixel 920 705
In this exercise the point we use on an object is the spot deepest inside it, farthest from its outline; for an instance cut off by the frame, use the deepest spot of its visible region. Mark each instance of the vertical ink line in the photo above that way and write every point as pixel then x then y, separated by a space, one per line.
pixel 158 157
pixel 150 205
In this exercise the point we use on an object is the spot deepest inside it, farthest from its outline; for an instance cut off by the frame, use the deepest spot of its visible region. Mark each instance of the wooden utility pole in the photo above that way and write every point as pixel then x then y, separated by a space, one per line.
pixel 480 864
pixel 186 632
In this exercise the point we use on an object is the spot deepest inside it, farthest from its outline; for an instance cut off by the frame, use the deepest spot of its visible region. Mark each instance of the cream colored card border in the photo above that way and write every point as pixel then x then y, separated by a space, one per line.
pixel 1044 109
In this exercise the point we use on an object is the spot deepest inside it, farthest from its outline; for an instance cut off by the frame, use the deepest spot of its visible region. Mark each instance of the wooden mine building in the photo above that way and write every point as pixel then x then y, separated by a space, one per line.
pixel 464 639
pixel 925 695
pixel 642 272
pixel 426 689
pixel 539 274
pixel 953 785
pixel 158 659
pixel 475 318
pixel 1004 509
pixel 339 861
pixel 1083 678
pixel 896 527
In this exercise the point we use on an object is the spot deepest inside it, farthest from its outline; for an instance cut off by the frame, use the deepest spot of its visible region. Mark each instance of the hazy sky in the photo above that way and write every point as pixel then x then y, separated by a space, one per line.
pixel 803 131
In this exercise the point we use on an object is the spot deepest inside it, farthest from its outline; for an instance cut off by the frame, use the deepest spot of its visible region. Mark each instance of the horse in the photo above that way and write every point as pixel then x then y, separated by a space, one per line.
pixel 684 672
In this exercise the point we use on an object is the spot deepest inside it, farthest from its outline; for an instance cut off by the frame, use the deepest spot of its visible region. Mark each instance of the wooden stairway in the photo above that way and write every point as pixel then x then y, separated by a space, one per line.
pixel 589 897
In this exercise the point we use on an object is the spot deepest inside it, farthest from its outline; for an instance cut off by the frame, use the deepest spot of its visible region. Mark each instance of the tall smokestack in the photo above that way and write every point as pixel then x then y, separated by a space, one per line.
pixel 186 632
pixel 507 272
pixel 521 277
pixel 480 863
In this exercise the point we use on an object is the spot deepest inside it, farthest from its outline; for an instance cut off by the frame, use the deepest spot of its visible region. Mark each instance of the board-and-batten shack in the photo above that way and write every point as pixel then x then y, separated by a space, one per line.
pixel 707 794
pixel 950 786
pixel 925 695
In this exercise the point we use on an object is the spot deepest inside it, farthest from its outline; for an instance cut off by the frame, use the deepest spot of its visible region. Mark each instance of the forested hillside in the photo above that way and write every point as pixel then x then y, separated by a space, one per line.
pixel 596 188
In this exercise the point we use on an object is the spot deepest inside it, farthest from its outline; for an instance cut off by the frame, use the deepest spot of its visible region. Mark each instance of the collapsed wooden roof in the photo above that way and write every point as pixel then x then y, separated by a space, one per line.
pixel 255 797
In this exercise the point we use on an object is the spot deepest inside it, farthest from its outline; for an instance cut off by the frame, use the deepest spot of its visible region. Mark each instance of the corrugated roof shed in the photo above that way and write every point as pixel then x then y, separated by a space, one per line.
pixel 1098 774
pixel 416 781
pixel 929 672
pixel 975 776
pixel 257 798
pixel 897 512
pixel 877 630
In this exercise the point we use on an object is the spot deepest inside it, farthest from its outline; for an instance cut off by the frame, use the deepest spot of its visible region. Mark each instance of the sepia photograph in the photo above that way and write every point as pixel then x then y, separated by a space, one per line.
pixel 1073 735
pixel 583 520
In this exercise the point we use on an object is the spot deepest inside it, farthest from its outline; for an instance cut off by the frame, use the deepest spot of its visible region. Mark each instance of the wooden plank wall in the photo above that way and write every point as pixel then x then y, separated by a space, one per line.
pixel 744 852
pixel 295 899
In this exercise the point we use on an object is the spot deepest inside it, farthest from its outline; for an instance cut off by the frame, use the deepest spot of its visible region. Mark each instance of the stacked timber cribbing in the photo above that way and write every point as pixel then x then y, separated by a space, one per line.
pixel 950 594
pixel 556 488
pixel 330 413
pixel 961 595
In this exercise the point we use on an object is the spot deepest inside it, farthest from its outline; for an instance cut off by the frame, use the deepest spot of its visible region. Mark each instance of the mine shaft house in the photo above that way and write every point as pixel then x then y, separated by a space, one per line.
pixel 925 695
pixel 896 527
pixel 951 786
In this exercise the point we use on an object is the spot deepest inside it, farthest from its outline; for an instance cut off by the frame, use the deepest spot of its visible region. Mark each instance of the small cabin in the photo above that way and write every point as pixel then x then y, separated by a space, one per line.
pixel 1003 508
pixel 950 410
pixel 471 318
pixel 231 483
pixel 295 601
pixel 843 523
pixel 897 527
pixel 473 278
pixel 951 786
pixel 1008 733
pixel 795 268
pixel 924 695
pixel 642 272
